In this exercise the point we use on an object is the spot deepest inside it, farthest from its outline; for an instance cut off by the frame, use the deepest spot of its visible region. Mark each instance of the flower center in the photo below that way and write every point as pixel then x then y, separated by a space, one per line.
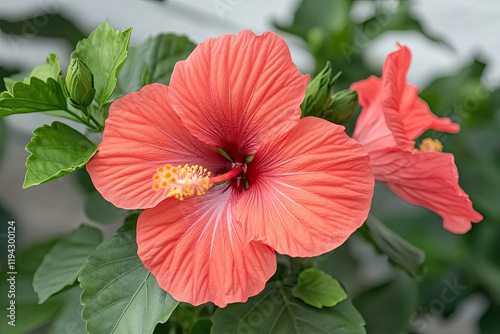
pixel 430 145
pixel 188 180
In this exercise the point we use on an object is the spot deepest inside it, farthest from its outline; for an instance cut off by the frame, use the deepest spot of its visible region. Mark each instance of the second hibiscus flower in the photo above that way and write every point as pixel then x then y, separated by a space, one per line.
pixel 297 186
pixel 393 117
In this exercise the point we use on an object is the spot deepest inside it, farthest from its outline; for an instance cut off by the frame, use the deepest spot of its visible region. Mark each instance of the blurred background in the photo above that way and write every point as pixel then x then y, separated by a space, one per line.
pixel 455 47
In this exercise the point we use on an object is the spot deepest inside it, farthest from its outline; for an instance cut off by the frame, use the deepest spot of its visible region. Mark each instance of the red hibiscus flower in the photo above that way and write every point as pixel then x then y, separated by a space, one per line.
pixel 393 117
pixel 297 186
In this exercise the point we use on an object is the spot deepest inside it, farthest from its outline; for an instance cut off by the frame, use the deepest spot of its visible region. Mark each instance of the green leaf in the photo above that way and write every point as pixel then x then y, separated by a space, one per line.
pixel 69 320
pixel 51 69
pixel 275 310
pixel 49 23
pixel 323 14
pixel 327 29
pixel 60 267
pixel 56 150
pixel 100 210
pixel 119 294
pixel 387 308
pixel 488 275
pixel 400 20
pixel 104 52
pixel 201 327
pixel 152 61
pixel 165 51
pixel 31 95
pixel 9 82
pixel 3 137
pixel 318 289
pixel 395 247
pixel 462 96
pixel 34 95
pixel 75 115
pixel 489 323
pixel 29 314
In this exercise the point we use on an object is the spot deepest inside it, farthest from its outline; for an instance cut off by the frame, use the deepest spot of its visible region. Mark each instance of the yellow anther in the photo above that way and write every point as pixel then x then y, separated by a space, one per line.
pixel 430 145
pixel 181 182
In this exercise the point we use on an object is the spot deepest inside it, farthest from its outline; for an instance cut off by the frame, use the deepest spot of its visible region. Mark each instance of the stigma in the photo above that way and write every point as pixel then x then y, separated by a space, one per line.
pixel 182 181
pixel 430 145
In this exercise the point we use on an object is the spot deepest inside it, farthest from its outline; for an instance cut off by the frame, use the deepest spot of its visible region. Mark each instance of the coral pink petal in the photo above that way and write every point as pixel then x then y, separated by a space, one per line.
pixel 197 251
pixel 407 116
pixel 429 179
pixel 393 86
pixel 417 117
pixel 141 134
pixel 309 189
pixel 371 129
pixel 235 90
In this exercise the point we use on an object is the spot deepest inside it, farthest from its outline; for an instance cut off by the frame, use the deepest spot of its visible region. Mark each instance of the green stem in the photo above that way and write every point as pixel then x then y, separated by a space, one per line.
pixel 99 125
pixel 89 117
pixel 96 126
pixel 82 120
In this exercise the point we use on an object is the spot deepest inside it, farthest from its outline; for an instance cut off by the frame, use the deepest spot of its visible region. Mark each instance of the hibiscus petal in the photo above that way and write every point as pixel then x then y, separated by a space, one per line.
pixel 417 117
pixel 407 116
pixel 371 129
pixel 429 179
pixel 234 90
pixel 143 133
pixel 197 252
pixel 310 189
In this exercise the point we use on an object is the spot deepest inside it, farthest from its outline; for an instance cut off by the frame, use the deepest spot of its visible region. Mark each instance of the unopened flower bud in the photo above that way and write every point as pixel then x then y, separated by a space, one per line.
pixel 341 106
pixel 319 92
pixel 80 83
